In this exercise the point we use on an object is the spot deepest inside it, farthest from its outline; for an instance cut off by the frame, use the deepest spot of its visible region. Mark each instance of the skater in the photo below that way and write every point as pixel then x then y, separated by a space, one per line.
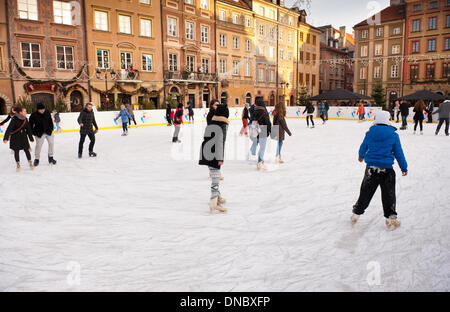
pixel 260 129
pixel 212 108
pixel 381 144
pixel 177 122
pixel 18 133
pixel 444 115
pixel 404 111
pixel 126 117
pixel 430 109
pixel 251 110
pixel 212 154
pixel 41 125
pixel 327 108
pixel 397 111
pixel 361 112
pixel 57 118
pixel 10 115
pixel 86 119
pixel 168 114
pixel 280 122
pixel 245 118
pixel 191 112
pixel 322 111
pixel 419 108
pixel 131 113
pixel 309 109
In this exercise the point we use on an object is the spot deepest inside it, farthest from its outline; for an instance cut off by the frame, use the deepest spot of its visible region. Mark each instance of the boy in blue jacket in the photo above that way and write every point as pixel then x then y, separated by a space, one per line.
pixel 126 117
pixel 379 148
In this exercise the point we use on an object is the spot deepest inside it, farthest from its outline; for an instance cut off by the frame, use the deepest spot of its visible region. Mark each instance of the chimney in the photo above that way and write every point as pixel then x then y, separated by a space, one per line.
pixel 397 2
pixel 343 37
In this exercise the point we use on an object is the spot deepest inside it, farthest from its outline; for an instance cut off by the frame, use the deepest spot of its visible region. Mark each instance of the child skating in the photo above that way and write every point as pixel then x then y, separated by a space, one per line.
pixel 18 133
pixel 379 148
pixel 126 117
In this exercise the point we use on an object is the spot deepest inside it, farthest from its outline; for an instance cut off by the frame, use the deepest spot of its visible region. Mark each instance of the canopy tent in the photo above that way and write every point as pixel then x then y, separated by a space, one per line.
pixel 423 95
pixel 340 94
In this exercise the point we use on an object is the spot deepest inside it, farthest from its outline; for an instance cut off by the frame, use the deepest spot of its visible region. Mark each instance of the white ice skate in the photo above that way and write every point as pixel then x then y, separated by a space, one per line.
pixel 279 160
pixel 214 205
pixel 421 132
pixel 354 218
pixel 221 200
pixel 392 223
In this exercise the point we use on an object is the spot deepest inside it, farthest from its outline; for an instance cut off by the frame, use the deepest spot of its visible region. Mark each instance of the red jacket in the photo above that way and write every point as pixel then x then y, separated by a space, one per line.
pixel 178 115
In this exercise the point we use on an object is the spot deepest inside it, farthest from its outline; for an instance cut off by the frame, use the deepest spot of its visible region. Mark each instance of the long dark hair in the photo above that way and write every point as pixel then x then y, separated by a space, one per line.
pixel 213 101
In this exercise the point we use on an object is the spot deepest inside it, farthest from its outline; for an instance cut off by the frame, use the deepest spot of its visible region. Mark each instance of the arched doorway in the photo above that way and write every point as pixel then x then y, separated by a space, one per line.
pixel 248 98
pixel 393 96
pixel 272 100
pixel 76 101
pixel 205 97
pixel 174 94
pixel 3 110
pixel 48 99
pixel 291 101
pixel 224 98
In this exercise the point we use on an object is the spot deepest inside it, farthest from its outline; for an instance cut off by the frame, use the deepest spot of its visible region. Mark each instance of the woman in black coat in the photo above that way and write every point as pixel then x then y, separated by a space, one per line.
pixel 213 151
pixel 309 109
pixel 212 110
pixel 18 133
pixel 278 120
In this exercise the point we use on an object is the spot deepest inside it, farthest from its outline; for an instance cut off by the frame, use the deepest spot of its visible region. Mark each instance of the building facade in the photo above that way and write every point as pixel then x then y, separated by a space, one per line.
pixel 189 51
pixel 235 52
pixel 48 53
pixel 125 52
pixel 6 94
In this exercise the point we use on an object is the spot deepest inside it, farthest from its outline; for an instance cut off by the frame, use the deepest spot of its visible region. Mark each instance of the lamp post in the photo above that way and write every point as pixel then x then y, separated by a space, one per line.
pixel 112 75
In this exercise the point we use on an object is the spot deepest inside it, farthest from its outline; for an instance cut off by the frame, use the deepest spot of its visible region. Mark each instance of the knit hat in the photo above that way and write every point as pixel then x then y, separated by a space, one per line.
pixel 382 118
pixel 222 110
pixel 40 106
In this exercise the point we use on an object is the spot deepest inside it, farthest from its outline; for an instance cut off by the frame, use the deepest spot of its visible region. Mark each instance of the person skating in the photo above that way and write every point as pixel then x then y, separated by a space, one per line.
pixel 41 124
pixel 168 114
pixel 131 113
pixel 327 108
pixel 361 112
pixel 126 117
pixel 260 130
pixel 397 111
pixel 18 133
pixel 57 118
pixel 86 120
pixel 245 118
pixel 8 118
pixel 444 116
pixel 404 111
pixel 191 112
pixel 379 148
pixel 177 122
pixel 280 122
pixel 430 109
pixel 322 111
pixel 309 109
pixel 419 108
pixel 212 154
pixel 212 108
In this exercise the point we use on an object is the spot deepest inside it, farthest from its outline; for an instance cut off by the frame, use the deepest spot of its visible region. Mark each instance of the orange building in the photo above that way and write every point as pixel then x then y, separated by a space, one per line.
pixel 6 94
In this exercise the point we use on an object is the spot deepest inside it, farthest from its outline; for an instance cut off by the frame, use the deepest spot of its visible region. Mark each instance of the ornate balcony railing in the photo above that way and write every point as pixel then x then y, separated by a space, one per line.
pixel 194 77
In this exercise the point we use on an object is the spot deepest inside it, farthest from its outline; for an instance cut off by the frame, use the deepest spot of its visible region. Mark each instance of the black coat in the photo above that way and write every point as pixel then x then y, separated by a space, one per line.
pixel 262 117
pixel 245 113
pixel 41 123
pixel 18 140
pixel 210 116
pixel 251 111
pixel 87 118
pixel 418 114
pixel 6 120
pixel 309 108
pixel 213 146
pixel 282 127
pixel 168 111
pixel 404 109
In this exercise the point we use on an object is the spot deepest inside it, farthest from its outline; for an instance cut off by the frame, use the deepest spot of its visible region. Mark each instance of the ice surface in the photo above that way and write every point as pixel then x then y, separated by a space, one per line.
pixel 136 218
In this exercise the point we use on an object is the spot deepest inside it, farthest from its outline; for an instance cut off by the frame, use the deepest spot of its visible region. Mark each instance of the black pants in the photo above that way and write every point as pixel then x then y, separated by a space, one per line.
pixel 441 122
pixel 17 156
pixel 322 116
pixel 307 120
pixel 91 136
pixel 430 117
pixel 134 120
pixel 416 122
pixel 169 120
pixel 374 177
pixel 398 115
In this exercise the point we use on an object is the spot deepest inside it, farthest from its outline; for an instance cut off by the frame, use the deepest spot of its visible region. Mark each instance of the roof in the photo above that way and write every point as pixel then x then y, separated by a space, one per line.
pixel 325 46
pixel 340 94
pixel 350 38
pixel 391 13
pixel 239 3
pixel 423 95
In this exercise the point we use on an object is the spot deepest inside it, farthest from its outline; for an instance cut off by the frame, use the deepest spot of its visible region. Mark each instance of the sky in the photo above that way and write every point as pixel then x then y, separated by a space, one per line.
pixel 340 13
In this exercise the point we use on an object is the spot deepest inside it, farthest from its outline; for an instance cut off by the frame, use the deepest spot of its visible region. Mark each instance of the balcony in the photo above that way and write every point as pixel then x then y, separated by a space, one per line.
pixel 128 76
pixel 190 77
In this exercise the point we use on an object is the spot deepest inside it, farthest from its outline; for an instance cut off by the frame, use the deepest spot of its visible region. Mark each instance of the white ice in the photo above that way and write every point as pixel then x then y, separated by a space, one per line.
pixel 136 218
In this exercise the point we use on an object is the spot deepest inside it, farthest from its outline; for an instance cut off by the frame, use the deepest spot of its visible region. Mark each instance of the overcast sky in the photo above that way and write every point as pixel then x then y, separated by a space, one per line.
pixel 340 13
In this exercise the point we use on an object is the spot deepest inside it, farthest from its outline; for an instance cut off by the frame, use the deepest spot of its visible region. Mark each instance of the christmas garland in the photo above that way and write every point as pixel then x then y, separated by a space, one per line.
pixel 75 86
pixel 119 88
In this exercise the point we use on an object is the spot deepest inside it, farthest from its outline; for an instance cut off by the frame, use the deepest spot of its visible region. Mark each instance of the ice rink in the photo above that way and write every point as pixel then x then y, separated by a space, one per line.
pixel 136 218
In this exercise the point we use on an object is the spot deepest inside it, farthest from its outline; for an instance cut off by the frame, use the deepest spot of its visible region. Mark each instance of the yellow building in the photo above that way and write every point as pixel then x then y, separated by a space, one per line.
pixel 235 52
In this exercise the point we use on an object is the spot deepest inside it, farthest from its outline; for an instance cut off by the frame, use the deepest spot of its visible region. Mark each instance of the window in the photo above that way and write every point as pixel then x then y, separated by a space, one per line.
pixel 190 2
pixel 272 14
pixel 378 49
pixel 289 37
pixel 261 30
pixel 236 68
pixel 446 70
pixel 300 78
pixel 248 22
pixel 396 49
pixel 430 70
pixel 147 62
pixel 146 27
pixel 28 9
pixel 31 55
pixel 223 40
pixel 416 26
pixel 314 40
pixel 189 31
pixel 364 34
pixel 432 21
pixel 271 52
pixel 447 21
pixel 172 28
pixel 144 2
pixel 272 33
pixel 204 4
pixel 447 44
pixel 190 63
pixel 223 66
pixel 125 24
pixel 379 32
pixel 173 62
pixel 433 5
pixel 126 60
pixel 289 56
pixel 364 51
pixel 64 57
pixel 308 38
pixel 307 79
pixel 301 37
pixel 205 34
pixel 101 20
pixel 248 68
pixel 205 65
pixel 394 71
pixel 415 46
pixel 302 54
pixel 248 45
pixel 102 58
pixel 291 21
pixel 222 15
pixel 235 43
pixel 363 73
pixel 377 72
pixel 414 72
pixel 417 7
pixel 313 80
pixel 396 31
pixel 281 54
pixel 236 19
pixel 431 45
pixel 261 11
pixel 62 12
pixel 272 76
pixel 261 74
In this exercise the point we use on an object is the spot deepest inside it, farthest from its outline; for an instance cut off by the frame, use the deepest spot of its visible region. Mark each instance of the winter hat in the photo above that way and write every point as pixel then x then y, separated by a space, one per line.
pixel 222 110
pixel 382 118
pixel 259 101
pixel 40 106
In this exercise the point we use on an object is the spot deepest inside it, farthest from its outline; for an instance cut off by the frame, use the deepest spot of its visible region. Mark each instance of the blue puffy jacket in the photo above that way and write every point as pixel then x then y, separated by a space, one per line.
pixel 380 146
pixel 124 115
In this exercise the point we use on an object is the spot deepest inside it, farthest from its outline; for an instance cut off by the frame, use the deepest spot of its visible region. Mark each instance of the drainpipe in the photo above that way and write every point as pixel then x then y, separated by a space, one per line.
pixel 277 79
pixel 215 51
pixel 405 49
pixel 296 66
pixel 86 50
pixel 162 49
pixel 8 41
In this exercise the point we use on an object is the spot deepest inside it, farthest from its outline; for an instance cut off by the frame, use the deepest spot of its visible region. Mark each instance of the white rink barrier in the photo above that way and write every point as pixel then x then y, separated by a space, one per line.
pixel 105 120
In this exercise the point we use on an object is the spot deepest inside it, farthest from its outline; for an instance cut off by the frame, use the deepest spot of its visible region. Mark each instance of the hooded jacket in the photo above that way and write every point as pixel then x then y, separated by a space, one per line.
pixel 124 115
pixel 381 146
pixel 444 110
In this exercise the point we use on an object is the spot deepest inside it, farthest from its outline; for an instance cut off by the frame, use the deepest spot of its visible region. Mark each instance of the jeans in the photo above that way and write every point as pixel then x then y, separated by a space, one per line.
pixel 58 128
pixel 91 136
pixel 404 121
pixel 124 126
pixel 40 141
pixel 262 148
pixel 326 115
pixel 441 122
pixel 280 145
pixel 214 173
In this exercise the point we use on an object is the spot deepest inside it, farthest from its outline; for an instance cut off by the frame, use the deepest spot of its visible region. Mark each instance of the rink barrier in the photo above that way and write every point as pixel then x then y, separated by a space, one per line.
pixel 150 118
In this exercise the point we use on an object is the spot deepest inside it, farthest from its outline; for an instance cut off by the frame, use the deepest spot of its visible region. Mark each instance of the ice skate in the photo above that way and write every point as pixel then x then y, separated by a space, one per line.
pixel 124 134
pixel 261 166
pixel 221 200
pixel 92 154
pixel 18 167
pixel 31 165
pixel 279 160
pixel 36 162
pixel 221 178
pixel 354 218
pixel 51 161
pixel 214 205
pixel 421 132
pixel 392 223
